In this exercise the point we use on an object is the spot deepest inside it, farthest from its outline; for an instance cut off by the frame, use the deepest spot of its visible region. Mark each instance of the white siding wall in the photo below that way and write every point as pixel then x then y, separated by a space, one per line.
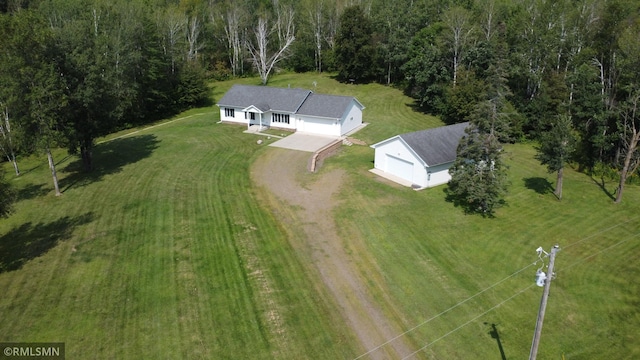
pixel 386 153
pixel 351 119
pixel 238 116
pixel 267 120
pixel 321 126
pixel 318 126
pixel 439 175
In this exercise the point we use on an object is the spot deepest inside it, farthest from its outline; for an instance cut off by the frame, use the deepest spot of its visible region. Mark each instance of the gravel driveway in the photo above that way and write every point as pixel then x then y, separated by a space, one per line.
pixel 277 170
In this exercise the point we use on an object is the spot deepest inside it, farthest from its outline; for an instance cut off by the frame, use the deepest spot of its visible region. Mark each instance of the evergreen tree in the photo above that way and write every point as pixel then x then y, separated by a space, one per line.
pixel 425 71
pixel 478 175
pixel 355 52
pixel 556 148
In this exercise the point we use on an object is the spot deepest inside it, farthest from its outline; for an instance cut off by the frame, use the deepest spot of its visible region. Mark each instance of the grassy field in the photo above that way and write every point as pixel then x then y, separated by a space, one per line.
pixel 162 253
pixel 165 251
pixel 453 276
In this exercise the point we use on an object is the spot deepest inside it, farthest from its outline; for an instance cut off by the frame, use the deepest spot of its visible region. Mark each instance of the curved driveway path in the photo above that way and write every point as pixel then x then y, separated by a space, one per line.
pixel 276 170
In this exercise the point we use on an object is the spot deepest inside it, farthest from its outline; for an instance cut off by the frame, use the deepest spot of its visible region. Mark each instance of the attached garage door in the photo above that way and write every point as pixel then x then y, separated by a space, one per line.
pixel 318 127
pixel 400 168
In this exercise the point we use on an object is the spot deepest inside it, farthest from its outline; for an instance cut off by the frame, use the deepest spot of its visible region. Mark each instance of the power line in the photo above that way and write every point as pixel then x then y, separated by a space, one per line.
pixel 599 232
pixel 498 283
pixel 521 291
pixel 447 310
pixel 603 250
pixel 469 322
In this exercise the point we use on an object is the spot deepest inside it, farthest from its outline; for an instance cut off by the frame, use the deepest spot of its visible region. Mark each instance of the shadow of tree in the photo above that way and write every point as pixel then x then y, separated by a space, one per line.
pixel 32 191
pixel 601 183
pixel 415 106
pixel 109 158
pixel 540 185
pixel 29 241
pixel 467 207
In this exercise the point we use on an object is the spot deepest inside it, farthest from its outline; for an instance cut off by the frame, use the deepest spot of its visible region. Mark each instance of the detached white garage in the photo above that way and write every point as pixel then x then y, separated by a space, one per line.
pixel 419 159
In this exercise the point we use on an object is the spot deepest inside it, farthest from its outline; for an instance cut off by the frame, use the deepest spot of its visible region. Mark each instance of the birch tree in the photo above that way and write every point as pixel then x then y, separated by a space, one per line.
pixel 629 129
pixel 47 102
pixel 316 19
pixel 173 24
pixel 10 62
pixel 630 137
pixel 194 26
pixel 7 141
pixel 332 25
pixel 38 82
pixel 233 20
pixel 487 18
pixel 284 25
pixel 457 19
pixel 264 60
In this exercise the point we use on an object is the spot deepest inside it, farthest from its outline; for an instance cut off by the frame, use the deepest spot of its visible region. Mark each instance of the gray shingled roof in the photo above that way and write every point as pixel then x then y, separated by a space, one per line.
pixel 265 98
pixel 299 101
pixel 329 106
pixel 436 146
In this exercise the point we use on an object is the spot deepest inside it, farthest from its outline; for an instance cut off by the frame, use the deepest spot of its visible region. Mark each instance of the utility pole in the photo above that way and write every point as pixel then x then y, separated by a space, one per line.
pixel 543 305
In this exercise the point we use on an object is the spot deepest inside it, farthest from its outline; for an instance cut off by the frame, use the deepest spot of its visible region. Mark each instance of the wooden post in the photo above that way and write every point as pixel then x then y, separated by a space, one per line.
pixel 543 305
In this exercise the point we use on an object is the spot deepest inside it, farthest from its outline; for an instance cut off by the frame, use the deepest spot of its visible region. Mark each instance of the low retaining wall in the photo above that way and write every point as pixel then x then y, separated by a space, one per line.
pixel 318 157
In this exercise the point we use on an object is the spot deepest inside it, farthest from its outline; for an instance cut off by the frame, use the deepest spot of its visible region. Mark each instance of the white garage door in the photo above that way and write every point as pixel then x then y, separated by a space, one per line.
pixel 318 127
pixel 400 168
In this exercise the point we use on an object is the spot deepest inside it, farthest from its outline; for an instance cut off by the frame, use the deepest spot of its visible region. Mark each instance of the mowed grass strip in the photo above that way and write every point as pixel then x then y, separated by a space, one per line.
pixel 162 252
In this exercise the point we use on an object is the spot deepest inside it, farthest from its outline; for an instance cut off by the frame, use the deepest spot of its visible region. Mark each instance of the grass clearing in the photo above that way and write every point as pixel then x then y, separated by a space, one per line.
pixel 166 251
pixel 444 269
pixel 162 252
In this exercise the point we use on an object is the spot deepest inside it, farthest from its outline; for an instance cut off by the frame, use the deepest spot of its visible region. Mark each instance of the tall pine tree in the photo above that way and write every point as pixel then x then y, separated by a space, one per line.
pixel 355 50
pixel 556 148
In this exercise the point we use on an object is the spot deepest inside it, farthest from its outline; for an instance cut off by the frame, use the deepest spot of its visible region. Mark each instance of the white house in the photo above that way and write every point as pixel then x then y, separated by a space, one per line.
pixel 420 159
pixel 293 109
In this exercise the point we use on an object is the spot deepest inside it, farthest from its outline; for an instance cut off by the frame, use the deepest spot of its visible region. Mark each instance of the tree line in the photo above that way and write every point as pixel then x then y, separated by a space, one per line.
pixel 74 70
pixel 560 72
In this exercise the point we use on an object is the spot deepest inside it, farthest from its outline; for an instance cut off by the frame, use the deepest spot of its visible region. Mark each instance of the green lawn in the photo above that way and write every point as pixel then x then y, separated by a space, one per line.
pixel 431 257
pixel 165 251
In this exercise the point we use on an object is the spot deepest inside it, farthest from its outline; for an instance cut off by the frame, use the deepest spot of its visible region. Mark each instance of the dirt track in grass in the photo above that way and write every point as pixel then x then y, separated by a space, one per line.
pixel 309 207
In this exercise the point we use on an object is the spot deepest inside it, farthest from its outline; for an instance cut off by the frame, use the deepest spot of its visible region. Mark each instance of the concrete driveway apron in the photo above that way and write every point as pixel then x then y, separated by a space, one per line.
pixel 304 142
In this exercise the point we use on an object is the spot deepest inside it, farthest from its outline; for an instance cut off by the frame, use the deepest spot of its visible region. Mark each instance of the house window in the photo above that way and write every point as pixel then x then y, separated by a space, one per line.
pixel 229 112
pixel 280 118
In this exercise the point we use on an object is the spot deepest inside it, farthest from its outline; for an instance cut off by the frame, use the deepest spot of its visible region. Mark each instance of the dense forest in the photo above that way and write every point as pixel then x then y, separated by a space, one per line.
pixel 73 70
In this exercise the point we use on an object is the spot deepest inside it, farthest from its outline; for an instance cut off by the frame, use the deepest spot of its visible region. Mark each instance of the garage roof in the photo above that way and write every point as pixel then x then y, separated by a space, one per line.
pixel 436 146
pixel 329 106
